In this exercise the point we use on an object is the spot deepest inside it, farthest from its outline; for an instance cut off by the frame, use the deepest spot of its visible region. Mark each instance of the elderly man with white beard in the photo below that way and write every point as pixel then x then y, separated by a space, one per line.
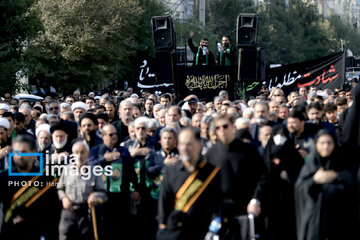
pixel 78 108
pixel 61 147
pixel 261 114
pixel 43 137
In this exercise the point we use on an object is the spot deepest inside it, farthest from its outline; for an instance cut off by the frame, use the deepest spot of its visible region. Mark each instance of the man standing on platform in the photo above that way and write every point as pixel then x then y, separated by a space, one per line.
pixel 227 54
pixel 202 55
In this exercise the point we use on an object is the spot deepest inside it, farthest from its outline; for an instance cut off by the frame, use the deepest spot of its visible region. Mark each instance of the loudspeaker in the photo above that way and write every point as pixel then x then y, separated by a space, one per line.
pixel 163 32
pixel 246 30
pixel 251 65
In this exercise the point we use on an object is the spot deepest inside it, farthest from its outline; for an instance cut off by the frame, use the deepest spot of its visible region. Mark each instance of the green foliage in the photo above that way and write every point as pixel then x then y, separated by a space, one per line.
pixel 83 43
pixel 347 33
pixel 16 26
pixel 288 35
pixel 294 34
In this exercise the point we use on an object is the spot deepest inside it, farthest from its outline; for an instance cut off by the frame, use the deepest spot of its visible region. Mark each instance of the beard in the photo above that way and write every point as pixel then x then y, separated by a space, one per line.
pixel 60 145
pixel 185 158
pixel 261 121
pixel 89 135
pixel 43 146
pixel 315 121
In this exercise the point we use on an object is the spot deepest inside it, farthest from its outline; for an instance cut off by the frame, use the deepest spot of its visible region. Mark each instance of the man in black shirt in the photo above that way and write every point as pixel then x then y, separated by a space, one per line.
pixel 202 55
pixel 126 116
pixel 180 211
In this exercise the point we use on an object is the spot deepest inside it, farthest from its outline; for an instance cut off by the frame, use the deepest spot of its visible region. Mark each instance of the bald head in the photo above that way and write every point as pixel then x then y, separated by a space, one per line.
pixel 109 135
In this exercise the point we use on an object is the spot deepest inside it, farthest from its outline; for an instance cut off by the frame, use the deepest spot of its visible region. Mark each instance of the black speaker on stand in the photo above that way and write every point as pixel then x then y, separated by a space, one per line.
pixel 247 30
pixel 165 45
pixel 163 33
pixel 251 62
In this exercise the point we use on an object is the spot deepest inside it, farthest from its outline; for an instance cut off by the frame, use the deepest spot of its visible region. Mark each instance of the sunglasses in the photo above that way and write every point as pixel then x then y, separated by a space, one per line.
pixel 54 108
pixel 225 126
pixel 140 128
pixel 112 134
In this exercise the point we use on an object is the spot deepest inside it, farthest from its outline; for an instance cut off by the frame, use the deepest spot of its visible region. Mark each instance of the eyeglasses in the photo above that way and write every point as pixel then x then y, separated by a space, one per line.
pixel 54 108
pixel 225 126
pixel 277 95
pixel 140 128
pixel 112 134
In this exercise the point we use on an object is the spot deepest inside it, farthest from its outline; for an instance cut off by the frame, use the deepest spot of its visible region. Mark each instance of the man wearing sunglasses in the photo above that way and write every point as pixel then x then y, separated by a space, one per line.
pixel 53 107
pixel 116 209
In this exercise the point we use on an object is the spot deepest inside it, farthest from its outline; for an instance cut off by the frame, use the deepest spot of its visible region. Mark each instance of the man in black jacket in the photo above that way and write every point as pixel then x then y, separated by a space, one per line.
pixel 243 171
pixel 202 55
pixel 227 55
pixel 180 211
pixel 116 210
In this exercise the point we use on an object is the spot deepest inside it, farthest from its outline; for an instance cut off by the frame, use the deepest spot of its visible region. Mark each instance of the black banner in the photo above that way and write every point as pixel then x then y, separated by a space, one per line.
pixel 145 77
pixel 326 72
pixel 207 81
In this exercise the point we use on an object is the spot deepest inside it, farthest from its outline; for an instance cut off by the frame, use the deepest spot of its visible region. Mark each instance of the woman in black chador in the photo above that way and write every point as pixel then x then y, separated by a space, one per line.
pixel 325 194
pixel 284 164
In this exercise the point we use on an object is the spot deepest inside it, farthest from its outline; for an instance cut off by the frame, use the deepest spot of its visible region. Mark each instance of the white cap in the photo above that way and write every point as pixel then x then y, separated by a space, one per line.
pixel 134 95
pixel 42 127
pixel 91 93
pixel 4 106
pixel 323 94
pixel 76 105
pixel 97 97
pixel 4 123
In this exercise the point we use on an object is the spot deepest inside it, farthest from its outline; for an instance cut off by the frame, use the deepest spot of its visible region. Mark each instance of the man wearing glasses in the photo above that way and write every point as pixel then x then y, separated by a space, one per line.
pixel 140 150
pixel 116 209
pixel 52 107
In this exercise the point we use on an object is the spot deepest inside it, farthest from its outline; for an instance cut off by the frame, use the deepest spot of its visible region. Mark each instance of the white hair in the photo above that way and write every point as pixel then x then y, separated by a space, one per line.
pixel 248 111
pixel 251 103
pixel 65 105
pixel 142 120
pixel 153 123
pixel 241 121
pixel 124 102
pixel 159 106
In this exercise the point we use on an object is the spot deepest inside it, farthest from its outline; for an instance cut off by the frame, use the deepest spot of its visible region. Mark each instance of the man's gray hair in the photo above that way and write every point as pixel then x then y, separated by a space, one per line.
pixel 124 102
pixel 70 114
pixel 25 106
pixel 217 98
pixel 153 123
pixel 206 119
pixel 170 130
pixel 51 115
pixel 142 120
pixel 158 106
pixel 223 92
pixel 65 105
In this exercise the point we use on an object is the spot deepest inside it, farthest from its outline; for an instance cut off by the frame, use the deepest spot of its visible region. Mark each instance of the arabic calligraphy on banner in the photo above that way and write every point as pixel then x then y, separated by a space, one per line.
pixel 145 74
pixel 206 81
pixel 217 81
pixel 326 72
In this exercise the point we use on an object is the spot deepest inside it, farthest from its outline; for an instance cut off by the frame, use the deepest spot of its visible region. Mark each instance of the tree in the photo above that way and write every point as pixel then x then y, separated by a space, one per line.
pixel 17 25
pixel 83 43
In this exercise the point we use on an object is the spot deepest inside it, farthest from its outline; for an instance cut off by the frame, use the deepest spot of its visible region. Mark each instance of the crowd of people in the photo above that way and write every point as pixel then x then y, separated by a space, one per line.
pixel 158 167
